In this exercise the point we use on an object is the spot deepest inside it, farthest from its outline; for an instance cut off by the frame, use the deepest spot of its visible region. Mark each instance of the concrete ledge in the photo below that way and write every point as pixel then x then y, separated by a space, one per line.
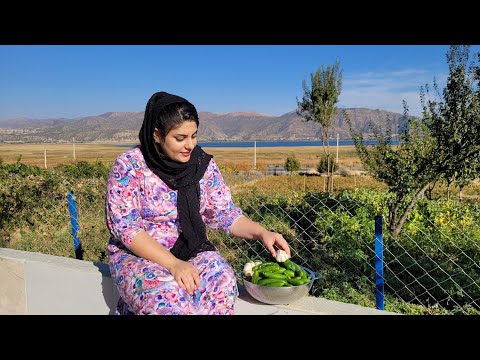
pixel 35 283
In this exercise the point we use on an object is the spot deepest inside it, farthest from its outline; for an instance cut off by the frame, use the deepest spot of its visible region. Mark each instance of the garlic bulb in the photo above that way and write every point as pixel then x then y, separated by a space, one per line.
pixel 281 256
pixel 247 268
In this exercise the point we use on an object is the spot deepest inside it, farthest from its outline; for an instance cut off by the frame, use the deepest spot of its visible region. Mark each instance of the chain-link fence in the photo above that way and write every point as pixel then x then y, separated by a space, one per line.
pixel 425 269
pixel 432 267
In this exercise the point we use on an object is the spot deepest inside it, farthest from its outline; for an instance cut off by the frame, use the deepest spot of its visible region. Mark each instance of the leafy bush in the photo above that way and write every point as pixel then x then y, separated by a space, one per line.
pixel 292 164
pixel 322 166
pixel 84 169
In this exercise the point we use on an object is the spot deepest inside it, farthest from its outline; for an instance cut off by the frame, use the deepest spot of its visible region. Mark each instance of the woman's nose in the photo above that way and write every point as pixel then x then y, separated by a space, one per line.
pixel 189 144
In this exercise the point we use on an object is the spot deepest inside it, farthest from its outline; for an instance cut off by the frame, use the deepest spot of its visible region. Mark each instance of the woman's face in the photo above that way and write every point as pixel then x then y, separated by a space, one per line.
pixel 179 142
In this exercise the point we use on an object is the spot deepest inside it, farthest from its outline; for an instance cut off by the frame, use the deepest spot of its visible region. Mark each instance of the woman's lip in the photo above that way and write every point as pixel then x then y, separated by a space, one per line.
pixel 185 154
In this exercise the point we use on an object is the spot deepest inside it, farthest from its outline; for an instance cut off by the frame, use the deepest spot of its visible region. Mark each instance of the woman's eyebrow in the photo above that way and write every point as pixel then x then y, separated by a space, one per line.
pixel 178 134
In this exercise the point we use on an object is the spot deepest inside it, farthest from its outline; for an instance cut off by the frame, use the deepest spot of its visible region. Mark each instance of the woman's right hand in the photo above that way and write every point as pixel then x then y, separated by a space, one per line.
pixel 186 275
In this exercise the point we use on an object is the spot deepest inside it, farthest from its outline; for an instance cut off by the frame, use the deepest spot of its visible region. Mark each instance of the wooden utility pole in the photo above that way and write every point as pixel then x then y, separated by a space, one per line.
pixel 74 155
pixel 337 148
pixel 255 155
pixel 329 174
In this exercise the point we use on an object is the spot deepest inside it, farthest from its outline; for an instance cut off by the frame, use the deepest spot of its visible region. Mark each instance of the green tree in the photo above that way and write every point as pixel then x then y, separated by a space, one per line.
pixel 319 104
pixel 456 117
pixel 444 144
pixel 292 164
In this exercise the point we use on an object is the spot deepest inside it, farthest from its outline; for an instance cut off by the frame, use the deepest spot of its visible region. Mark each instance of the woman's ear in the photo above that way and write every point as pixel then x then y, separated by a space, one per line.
pixel 156 136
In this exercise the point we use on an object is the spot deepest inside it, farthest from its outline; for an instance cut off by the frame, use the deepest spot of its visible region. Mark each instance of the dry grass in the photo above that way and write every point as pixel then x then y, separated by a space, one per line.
pixel 309 156
pixel 240 159
pixel 34 154
pixel 230 159
pixel 298 183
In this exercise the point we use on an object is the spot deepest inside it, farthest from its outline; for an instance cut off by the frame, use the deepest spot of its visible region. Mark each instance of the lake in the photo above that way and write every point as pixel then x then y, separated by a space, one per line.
pixel 249 144
pixel 243 144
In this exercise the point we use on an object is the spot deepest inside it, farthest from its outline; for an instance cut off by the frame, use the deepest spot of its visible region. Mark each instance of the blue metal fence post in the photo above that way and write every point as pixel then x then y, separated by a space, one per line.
pixel 379 280
pixel 77 244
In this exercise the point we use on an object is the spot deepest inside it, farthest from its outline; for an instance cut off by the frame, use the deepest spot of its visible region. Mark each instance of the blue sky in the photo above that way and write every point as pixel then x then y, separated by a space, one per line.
pixel 68 81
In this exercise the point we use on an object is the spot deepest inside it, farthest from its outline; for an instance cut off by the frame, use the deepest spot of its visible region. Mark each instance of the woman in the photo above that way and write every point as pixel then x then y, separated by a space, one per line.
pixel 160 197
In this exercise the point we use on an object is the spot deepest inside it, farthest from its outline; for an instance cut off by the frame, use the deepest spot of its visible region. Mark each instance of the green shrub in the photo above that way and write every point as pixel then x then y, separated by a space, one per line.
pixel 322 166
pixel 84 169
pixel 292 164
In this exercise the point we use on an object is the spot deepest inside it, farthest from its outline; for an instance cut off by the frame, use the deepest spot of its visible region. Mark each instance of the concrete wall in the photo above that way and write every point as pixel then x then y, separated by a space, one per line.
pixel 35 283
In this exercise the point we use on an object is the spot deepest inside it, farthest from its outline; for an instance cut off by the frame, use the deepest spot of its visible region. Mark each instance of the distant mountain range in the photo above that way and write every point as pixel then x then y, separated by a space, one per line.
pixel 123 127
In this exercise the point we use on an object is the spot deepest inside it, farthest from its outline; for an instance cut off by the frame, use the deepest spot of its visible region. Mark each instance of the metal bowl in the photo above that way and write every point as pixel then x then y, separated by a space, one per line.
pixel 279 295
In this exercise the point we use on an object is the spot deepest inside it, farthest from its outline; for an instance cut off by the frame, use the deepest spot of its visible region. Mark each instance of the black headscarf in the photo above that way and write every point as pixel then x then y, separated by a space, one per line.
pixel 183 177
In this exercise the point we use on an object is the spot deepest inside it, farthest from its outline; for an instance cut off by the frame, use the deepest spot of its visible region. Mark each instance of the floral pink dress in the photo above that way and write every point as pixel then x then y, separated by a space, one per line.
pixel 138 199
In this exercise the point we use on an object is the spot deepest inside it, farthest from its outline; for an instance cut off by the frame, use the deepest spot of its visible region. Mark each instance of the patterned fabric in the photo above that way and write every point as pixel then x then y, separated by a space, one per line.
pixel 137 199
pixel 147 288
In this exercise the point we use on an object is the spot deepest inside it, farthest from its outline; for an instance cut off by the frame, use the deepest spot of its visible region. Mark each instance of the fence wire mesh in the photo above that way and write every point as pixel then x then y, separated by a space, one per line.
pixel 431 267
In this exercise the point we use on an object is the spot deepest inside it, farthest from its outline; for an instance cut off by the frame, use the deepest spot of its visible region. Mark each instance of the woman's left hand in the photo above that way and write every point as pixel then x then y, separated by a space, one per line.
pixel 270 239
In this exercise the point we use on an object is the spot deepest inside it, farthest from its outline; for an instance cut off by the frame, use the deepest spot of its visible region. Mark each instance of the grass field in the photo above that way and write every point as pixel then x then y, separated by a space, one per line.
pixel 230 159
pixel 235 158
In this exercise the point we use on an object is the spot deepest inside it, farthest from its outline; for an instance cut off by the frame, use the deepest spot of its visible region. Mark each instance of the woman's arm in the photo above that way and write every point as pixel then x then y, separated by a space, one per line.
pixel 145 246
pixel 245 228
pixel 222 214
pixel 185 273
